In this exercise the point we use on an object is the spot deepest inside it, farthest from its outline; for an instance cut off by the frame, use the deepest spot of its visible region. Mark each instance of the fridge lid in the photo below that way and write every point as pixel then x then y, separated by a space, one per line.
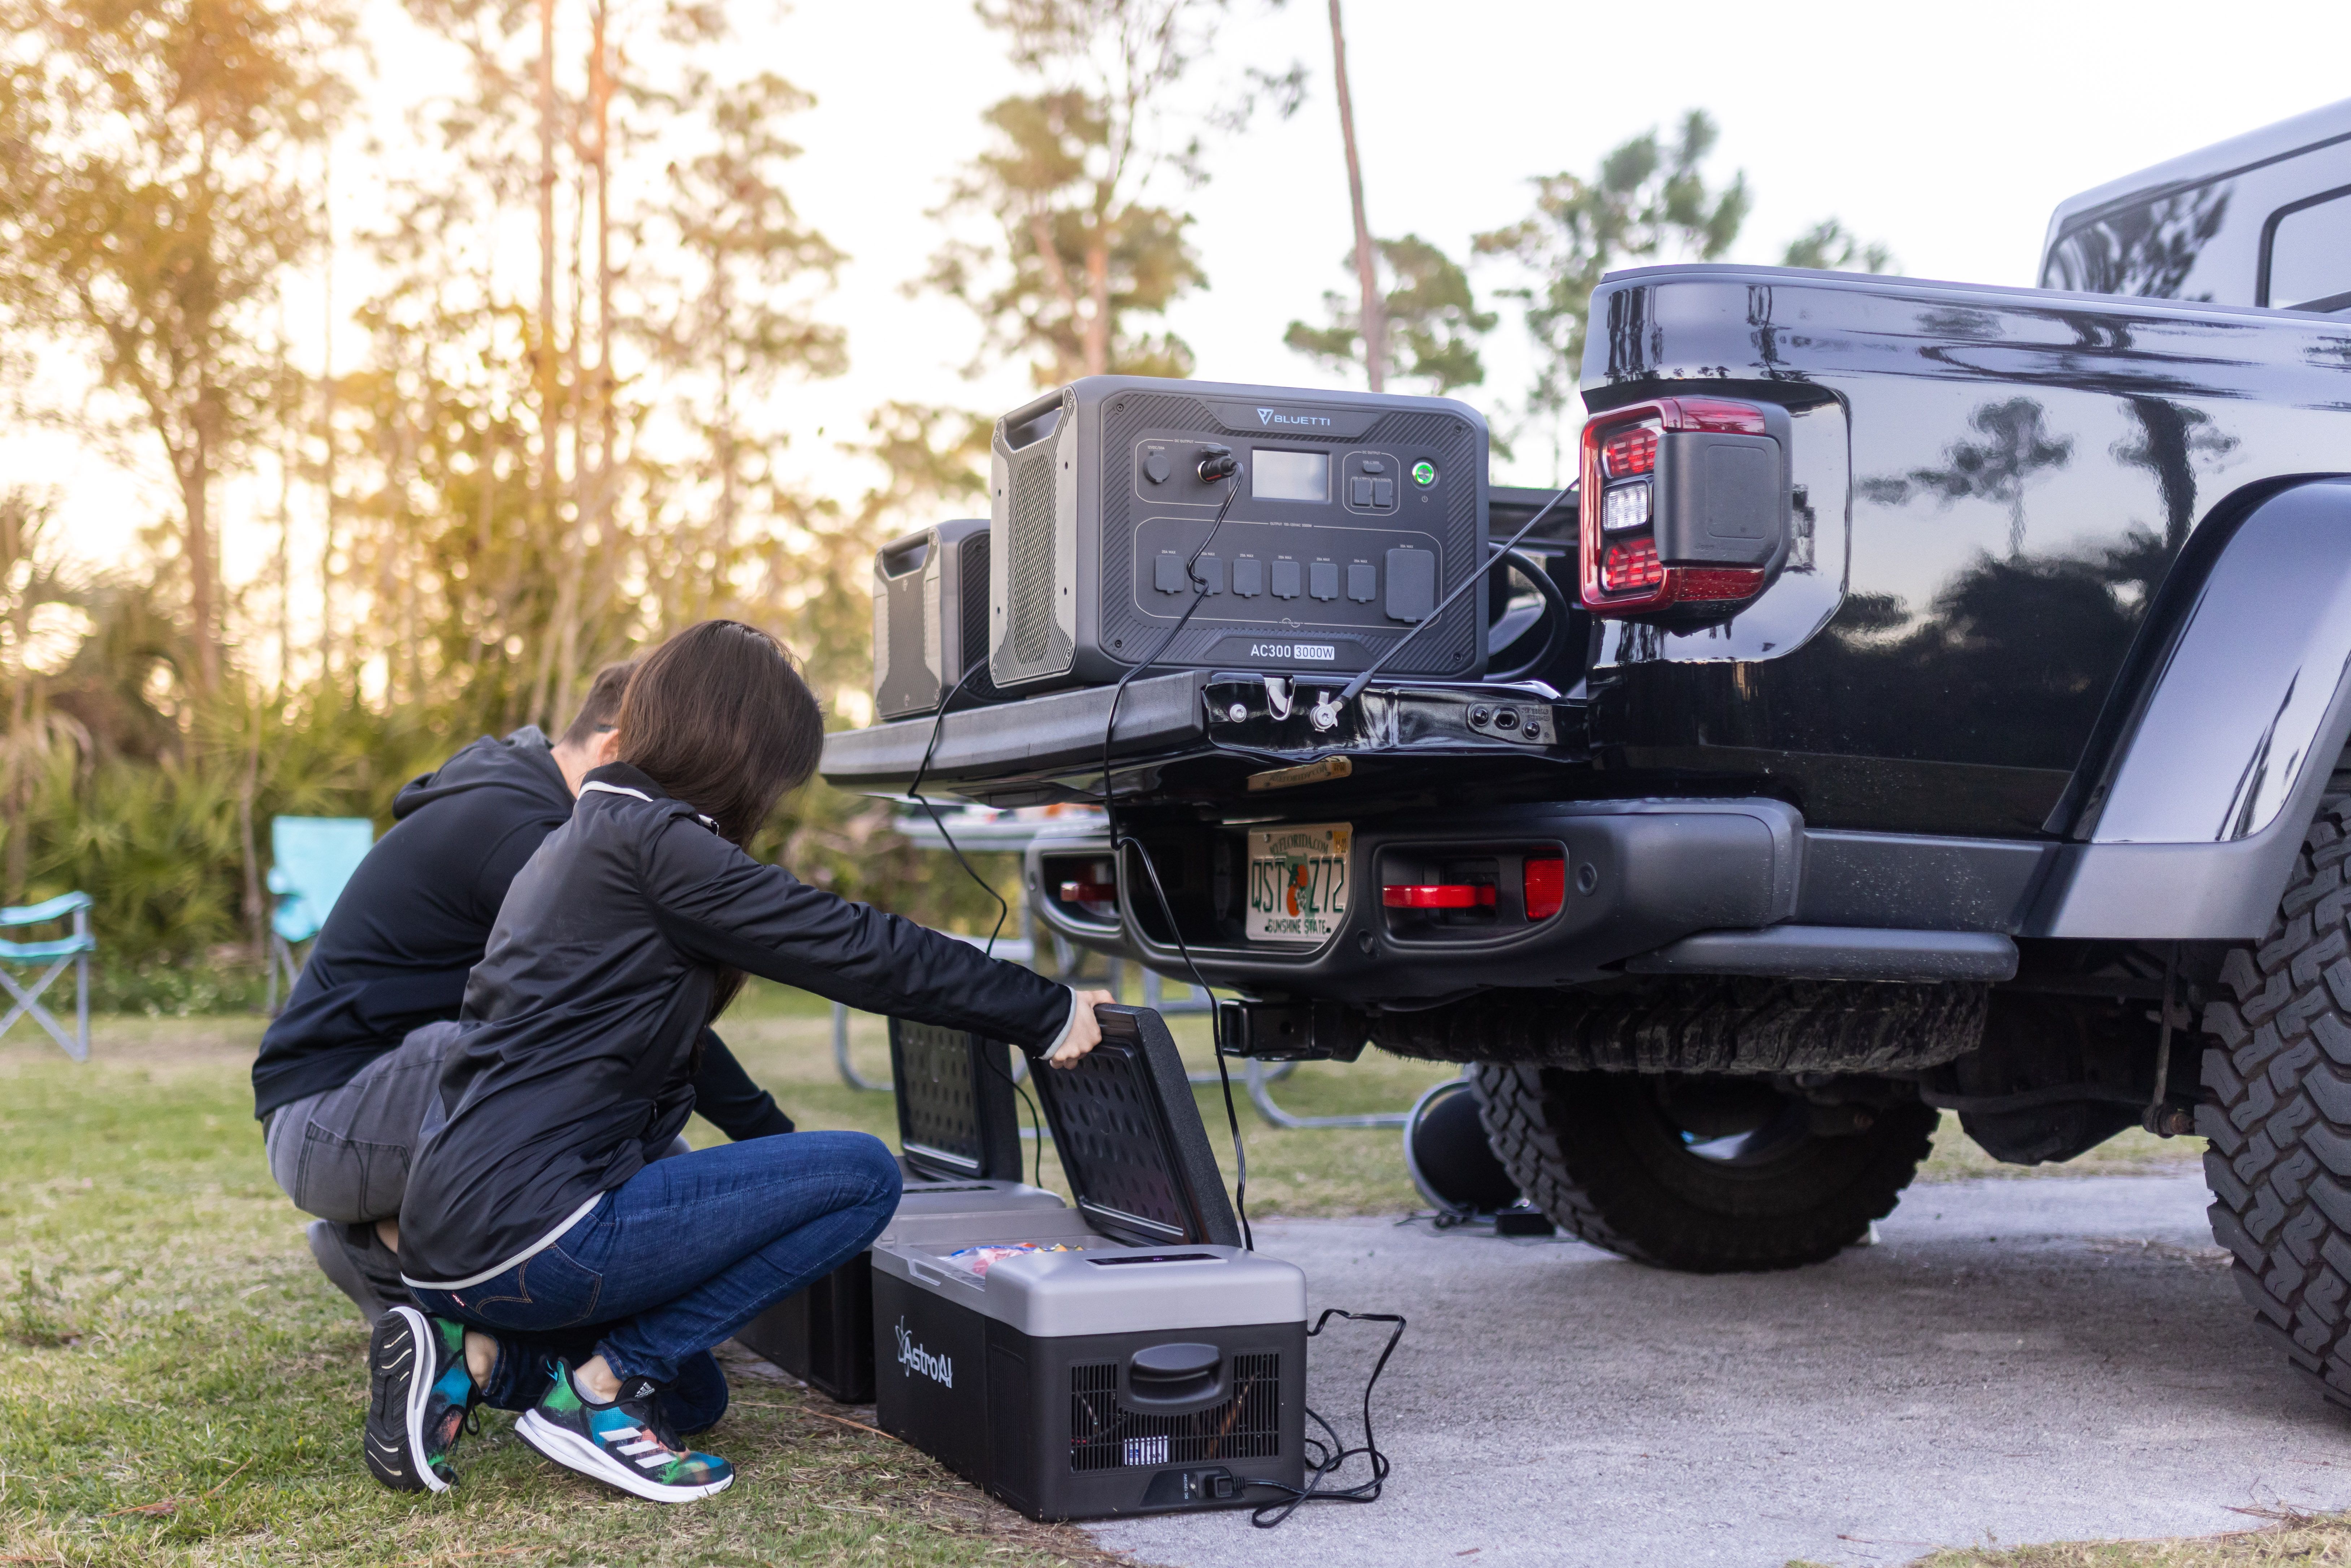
pixel 1131 1140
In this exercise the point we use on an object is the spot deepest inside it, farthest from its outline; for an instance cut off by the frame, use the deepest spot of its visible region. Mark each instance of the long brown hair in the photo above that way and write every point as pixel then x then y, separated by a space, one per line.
pixel 718 716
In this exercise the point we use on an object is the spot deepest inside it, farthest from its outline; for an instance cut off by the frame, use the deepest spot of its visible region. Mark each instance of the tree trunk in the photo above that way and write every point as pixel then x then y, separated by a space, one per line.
pixel 195 501
pixel 256 908
pixel 1098 295
pixel 327 420
pixel 550 504
pixel 24 708
pixel 568 608
pixel 1375 315
pixel 290 411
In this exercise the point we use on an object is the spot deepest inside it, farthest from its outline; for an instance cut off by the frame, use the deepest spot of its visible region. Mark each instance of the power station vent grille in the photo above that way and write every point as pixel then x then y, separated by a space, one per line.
pixel 1031 576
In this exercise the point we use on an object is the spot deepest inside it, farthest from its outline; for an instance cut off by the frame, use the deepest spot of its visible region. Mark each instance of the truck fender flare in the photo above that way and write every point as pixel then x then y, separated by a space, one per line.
pixel 2191 815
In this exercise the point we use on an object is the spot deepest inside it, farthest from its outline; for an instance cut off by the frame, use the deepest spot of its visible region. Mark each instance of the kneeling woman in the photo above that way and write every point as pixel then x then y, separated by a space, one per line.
pixel 539 1206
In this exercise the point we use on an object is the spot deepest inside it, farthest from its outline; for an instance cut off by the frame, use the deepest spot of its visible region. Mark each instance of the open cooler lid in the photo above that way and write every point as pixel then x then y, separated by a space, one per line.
pixel 1130 1139
pixel 956 1121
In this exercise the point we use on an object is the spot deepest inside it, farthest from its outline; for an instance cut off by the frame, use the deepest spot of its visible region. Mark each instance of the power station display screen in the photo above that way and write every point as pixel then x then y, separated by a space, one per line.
pixel 1290 475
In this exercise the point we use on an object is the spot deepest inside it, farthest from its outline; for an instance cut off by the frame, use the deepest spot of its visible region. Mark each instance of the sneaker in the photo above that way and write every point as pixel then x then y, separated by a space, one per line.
pixel 335 1263
pixel 419 1394
pixel 623 1444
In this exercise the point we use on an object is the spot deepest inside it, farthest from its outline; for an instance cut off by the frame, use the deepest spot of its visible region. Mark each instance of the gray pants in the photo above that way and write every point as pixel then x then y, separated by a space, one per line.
pixel 343 1154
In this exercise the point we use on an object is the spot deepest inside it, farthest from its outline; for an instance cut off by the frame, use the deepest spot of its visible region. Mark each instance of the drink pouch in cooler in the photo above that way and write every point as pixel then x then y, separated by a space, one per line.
pixel 1122 1356
pixel 960 1133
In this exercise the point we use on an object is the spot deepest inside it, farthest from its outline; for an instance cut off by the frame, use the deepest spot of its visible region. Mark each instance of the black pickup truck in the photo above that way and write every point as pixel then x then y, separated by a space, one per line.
pixel 2015 786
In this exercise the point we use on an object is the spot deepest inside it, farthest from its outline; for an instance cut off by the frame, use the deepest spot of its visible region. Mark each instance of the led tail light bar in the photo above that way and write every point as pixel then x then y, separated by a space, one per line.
pixel 1685 504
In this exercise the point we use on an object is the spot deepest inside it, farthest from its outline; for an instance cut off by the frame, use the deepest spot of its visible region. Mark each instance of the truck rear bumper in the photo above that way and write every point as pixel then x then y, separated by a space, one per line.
pixel 1662 886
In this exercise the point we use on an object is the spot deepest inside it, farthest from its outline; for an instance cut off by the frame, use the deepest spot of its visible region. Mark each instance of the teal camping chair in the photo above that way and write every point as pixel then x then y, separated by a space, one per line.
pixel 56 953
pixel 314 857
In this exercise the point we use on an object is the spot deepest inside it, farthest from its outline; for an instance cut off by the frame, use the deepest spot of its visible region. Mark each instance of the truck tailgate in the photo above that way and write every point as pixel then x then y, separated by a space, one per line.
pixel 1061 729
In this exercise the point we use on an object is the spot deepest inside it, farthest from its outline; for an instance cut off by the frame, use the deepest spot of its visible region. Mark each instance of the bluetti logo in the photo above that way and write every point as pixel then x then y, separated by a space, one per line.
pixel 1264 416
pixel 939 1369
pixel 1275 417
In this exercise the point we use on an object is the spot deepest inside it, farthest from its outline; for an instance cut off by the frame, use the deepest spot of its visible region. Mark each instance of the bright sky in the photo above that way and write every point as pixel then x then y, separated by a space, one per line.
pixel 1948 133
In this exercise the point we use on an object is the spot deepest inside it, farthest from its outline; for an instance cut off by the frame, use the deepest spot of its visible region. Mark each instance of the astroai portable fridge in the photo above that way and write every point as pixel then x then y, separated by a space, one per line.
pixel 960 1134
pixel 1136 1360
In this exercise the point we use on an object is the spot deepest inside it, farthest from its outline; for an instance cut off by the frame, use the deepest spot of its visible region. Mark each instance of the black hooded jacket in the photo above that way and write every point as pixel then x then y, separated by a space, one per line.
pixel 598 978
pixel 413 919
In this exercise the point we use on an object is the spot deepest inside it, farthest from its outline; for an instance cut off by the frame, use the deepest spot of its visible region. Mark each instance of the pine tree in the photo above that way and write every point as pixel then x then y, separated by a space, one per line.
pixel 148 210
pixel 1075 247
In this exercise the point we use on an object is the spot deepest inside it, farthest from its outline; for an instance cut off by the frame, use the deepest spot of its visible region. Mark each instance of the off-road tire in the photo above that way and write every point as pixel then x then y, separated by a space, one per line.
pixel 2277 1109
pixel 1588 1149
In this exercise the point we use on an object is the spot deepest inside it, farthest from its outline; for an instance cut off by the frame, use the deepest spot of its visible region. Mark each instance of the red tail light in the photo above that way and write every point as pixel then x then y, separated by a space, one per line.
pixel 1630 451
pixel 1684 501
pixel 1629 568
pixel 1546 887
pixel 1438 895
pixel 1095 892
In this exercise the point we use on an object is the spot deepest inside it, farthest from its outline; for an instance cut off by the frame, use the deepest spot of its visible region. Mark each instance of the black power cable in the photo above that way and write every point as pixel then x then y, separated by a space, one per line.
pixel 1216 1036
pixel 1335 1454
pixel 1219 463
pixel 1354 688
pixel 1003 909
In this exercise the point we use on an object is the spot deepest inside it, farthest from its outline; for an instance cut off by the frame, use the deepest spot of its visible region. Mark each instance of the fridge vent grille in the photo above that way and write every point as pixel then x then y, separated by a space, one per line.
pixel 1104 1435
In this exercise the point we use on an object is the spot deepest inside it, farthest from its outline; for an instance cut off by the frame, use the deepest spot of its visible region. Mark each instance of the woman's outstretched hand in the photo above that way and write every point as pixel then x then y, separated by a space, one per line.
pixel 1085 1030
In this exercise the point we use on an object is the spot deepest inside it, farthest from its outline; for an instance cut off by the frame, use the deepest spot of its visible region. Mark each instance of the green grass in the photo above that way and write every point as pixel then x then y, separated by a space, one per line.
pixel 1956 1157
pixel 2309 1540
pixel 178 1385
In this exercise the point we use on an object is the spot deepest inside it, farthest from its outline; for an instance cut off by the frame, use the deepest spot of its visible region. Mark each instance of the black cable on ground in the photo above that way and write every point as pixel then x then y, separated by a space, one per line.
pixel 1265 1516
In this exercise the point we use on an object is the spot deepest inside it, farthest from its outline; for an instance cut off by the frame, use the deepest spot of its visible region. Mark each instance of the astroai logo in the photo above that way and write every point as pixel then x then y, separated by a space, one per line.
pixel 939 1369
pixel 1274 416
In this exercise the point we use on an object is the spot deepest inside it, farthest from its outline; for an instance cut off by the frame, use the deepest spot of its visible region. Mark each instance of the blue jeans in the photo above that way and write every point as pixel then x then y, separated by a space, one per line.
pixel 688 1250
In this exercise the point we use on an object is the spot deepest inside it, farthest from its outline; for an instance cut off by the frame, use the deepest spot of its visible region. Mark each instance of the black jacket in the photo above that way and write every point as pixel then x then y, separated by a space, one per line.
pixel 598 979
pixel 413 921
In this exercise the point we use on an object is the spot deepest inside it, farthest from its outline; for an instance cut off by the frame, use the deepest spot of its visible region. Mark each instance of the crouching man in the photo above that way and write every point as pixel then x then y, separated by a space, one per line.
pixel 346 1070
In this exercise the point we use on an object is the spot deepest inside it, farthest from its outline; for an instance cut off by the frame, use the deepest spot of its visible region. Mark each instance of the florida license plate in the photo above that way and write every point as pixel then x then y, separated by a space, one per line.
pixel 1298 882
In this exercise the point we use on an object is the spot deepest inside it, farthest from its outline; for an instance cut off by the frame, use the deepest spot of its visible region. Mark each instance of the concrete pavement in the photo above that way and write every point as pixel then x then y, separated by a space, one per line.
pixel 2015 1361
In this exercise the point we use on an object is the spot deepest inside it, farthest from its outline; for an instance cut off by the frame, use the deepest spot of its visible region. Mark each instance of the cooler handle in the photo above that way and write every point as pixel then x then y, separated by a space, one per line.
pixel 1175 1379
pixel 922 1274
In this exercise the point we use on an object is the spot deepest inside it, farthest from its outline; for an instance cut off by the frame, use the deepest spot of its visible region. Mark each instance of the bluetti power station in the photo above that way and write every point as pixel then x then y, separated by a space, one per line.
pixel 930 619
pixel 1352 516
